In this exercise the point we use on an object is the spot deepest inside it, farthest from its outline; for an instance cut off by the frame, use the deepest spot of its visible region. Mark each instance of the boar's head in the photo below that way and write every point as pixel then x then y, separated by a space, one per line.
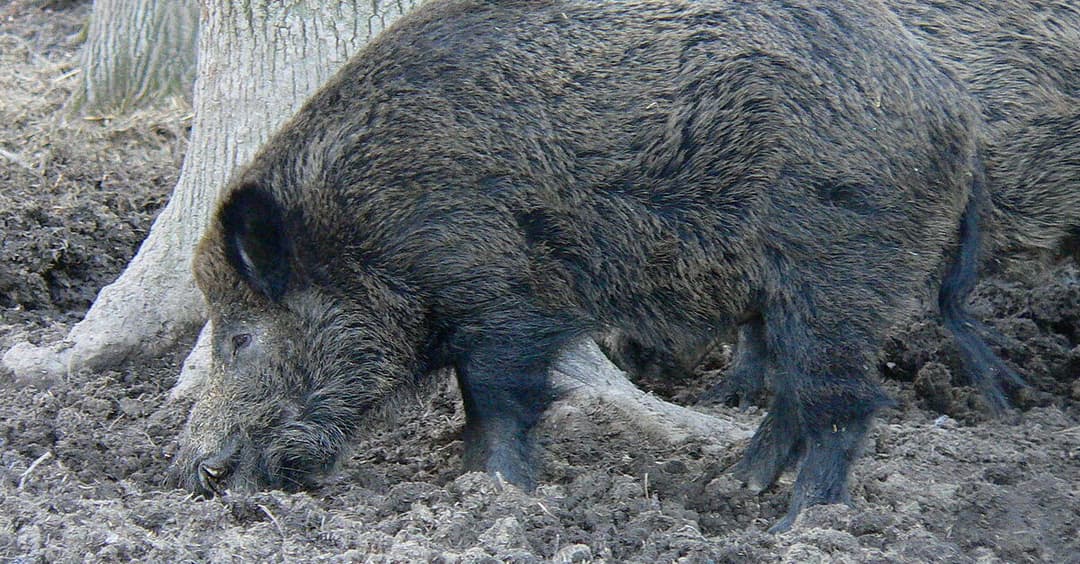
pixel 306 344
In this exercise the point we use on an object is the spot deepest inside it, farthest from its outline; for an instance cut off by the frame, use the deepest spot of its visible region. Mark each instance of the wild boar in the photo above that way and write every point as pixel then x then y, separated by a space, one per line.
pixel 488 181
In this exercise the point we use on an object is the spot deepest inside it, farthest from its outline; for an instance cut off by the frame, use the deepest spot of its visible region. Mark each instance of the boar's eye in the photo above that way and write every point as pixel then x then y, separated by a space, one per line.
pixel 240 341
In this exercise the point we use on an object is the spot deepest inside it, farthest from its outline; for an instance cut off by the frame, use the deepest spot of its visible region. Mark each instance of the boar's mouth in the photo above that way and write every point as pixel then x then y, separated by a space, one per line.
pixel 206 475
pixel 213 473
pixel 242 467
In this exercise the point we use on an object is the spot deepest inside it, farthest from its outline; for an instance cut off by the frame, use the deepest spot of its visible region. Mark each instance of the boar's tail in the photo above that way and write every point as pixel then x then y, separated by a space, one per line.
pixel 987 371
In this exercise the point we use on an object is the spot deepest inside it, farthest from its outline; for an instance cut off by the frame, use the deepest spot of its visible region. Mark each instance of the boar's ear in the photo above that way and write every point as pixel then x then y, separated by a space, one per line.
pixel 256 243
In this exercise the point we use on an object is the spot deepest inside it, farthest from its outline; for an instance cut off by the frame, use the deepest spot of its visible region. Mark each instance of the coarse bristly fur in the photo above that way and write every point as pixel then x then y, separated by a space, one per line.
pixel 489 180
pixel 1020 60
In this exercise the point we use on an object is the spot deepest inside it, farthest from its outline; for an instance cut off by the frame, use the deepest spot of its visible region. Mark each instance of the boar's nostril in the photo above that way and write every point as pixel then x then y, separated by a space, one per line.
pixel 214 471
pixel 212 477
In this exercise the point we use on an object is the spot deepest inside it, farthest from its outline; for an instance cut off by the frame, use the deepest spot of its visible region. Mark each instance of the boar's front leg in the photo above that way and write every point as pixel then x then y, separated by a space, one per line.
pixel 503 377
pixel 821 409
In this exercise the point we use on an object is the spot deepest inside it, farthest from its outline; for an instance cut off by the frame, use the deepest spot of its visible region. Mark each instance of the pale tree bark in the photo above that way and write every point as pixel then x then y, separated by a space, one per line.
pixel 137 52
pixel 257 62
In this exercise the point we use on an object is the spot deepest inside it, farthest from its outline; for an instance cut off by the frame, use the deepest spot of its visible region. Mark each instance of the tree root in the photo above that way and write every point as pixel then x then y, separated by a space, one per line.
pixel 587 381
pixel 145 312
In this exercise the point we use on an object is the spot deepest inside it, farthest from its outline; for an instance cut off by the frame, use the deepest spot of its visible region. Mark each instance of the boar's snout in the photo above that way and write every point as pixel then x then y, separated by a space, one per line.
pixel 289 457
pixel 207 475
pixel 212 473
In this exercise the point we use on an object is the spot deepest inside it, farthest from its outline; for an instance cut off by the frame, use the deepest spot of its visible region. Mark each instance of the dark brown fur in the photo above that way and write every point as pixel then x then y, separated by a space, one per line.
pixel 488 181
pixel 1020 60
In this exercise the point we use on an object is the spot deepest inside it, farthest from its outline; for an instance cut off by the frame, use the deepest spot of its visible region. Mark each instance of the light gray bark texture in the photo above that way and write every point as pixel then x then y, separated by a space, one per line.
pixel 588 384
pixel 138 52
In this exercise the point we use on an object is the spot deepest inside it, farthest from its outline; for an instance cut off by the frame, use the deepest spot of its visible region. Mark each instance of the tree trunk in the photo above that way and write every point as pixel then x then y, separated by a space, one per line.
pixel 136 52
pixel 258 61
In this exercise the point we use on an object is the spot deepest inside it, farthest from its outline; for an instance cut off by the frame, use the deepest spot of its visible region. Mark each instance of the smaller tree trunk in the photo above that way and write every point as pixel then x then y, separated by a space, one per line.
pixel 138 52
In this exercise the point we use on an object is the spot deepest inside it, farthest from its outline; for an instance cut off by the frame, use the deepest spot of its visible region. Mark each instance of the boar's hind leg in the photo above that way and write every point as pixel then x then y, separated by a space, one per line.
pixel 821 409
pixel 505 390
pixel 746 379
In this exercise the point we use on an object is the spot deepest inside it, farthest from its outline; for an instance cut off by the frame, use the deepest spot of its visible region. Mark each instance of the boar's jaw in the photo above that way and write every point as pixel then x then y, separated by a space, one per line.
pixel 302 453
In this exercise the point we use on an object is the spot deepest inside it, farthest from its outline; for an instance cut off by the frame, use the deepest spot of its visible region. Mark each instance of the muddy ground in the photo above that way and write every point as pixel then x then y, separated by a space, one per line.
pixel 83 460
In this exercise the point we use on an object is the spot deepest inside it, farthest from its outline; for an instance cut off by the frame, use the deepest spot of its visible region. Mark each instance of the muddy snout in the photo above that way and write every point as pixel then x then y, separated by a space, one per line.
pixel 292 461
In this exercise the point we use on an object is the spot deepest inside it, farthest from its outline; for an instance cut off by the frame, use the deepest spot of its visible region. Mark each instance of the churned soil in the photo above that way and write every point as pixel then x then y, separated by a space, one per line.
pixel 83 460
